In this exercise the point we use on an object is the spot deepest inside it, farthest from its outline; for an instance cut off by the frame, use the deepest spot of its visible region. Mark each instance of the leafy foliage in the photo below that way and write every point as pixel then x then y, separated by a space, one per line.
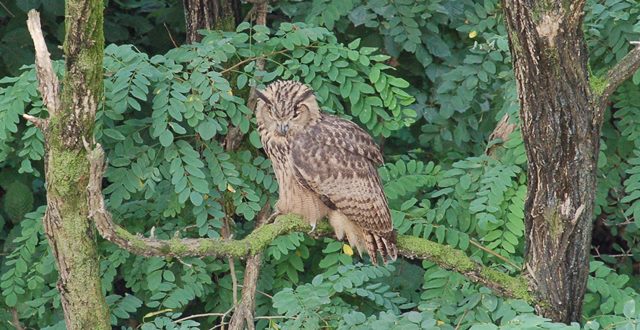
pixel 125 21
pixel 429 79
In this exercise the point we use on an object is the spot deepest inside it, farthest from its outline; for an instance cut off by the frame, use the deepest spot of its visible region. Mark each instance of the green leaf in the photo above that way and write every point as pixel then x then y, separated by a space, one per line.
pixel 168 275
pixel 629 309
pixel 489 66
pixel 154 279
pixel 166 138
pixel 254 138
pixel 398 82
pixel 243 26
pixel 354 44
pixel 114 134
pixel 440 234
pixel 374 75
pixel 207 129
pixel 414 317
pixel 11 299
pixel 242 81
pixel 196 198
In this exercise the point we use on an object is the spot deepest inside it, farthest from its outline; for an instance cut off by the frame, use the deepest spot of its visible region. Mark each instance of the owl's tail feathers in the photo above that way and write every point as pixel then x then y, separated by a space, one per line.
pixel 383 243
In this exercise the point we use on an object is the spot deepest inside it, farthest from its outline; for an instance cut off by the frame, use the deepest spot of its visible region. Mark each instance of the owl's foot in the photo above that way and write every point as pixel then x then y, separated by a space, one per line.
pixel 313 228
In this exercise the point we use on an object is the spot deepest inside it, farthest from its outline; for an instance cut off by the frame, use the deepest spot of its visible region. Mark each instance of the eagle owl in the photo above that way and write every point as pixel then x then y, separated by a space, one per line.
pixel 325 166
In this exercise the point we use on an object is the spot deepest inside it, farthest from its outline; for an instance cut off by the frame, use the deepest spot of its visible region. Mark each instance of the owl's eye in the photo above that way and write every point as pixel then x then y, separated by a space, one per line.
pixel 299 109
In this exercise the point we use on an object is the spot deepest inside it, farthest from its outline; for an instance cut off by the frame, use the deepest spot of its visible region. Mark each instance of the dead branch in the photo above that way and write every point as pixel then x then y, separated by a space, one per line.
pixel 37 122
pixel 48 84
pixel 502 131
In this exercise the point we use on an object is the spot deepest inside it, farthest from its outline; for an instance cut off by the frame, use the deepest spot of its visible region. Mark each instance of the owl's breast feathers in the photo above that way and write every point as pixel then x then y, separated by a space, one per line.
pixel 337 160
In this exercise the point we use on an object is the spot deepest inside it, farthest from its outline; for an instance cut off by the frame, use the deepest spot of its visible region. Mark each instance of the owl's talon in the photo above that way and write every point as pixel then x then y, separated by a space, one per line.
pixel 313 228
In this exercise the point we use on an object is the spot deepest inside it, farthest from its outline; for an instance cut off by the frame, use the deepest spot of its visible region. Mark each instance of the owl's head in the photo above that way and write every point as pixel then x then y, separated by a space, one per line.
pixel 286 107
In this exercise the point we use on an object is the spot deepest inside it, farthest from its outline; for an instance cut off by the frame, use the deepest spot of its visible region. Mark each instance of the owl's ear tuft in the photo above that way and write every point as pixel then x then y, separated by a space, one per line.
pixel 305 95
pixel 263 97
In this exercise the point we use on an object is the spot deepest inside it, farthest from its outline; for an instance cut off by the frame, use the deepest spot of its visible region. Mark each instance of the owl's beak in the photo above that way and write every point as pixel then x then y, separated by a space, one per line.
pixel 283 129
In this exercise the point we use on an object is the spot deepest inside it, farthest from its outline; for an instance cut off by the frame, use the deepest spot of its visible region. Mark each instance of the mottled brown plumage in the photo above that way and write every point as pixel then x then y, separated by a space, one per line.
pixel 325 166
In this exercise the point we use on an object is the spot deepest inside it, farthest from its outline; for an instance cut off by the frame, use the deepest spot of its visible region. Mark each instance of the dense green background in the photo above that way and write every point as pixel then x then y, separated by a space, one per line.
pixel 430 79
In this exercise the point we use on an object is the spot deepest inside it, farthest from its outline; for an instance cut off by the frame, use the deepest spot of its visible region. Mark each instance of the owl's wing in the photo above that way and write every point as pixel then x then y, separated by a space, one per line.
pixel 343 134
pixel 337 160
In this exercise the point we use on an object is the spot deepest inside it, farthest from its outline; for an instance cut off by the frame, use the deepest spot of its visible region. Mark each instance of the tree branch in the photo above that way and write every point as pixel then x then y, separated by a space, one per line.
pixel 455 260
pixel 243 315
pixel 624 69
pixel 16 320
pixel 37 122
pixel 409 246
pixel 502 131
pixel 47 80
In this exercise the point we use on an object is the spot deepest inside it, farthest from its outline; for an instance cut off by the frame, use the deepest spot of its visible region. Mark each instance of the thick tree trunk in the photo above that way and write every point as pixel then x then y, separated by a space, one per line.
pixel 561 131
pixel 210 15
pixel 72 114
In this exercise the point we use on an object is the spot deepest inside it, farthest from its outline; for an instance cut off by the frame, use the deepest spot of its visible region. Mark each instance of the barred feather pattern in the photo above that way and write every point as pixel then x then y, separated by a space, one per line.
pixel 325 167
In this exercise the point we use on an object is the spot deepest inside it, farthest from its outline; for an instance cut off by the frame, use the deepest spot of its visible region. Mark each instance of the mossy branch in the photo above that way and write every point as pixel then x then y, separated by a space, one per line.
pixel 257 241
pixel 620 72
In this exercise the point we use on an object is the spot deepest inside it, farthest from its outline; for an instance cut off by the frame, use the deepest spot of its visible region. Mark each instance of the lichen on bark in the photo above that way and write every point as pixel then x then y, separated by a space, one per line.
pixel 72 113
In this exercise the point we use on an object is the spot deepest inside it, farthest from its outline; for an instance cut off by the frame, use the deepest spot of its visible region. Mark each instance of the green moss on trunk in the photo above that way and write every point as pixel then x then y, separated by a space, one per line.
pixel 70 233
pixel 71 236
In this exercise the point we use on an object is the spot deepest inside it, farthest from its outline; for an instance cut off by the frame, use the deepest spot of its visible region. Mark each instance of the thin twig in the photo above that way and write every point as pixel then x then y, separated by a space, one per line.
pixel 250 14
pixel 16 319
pixel 195 316
pixel 7 9
pixel 493 253
pixel 260 292
pixel 252 59
pixel 184 263
pixel 275 317
pixel 234 279
pixel 621 255
pixel 170 36
pixel 221 326
pixel 462 318
pixel 226 234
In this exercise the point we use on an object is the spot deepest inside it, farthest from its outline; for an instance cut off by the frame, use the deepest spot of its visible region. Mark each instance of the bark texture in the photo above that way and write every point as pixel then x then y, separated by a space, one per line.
pixel 210 15
pixel 561 118
pixel 71 116
pixel 561 137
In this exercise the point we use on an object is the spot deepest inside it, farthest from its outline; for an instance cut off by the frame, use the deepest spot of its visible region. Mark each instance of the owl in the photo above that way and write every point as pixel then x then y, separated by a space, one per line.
pixel 325 167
